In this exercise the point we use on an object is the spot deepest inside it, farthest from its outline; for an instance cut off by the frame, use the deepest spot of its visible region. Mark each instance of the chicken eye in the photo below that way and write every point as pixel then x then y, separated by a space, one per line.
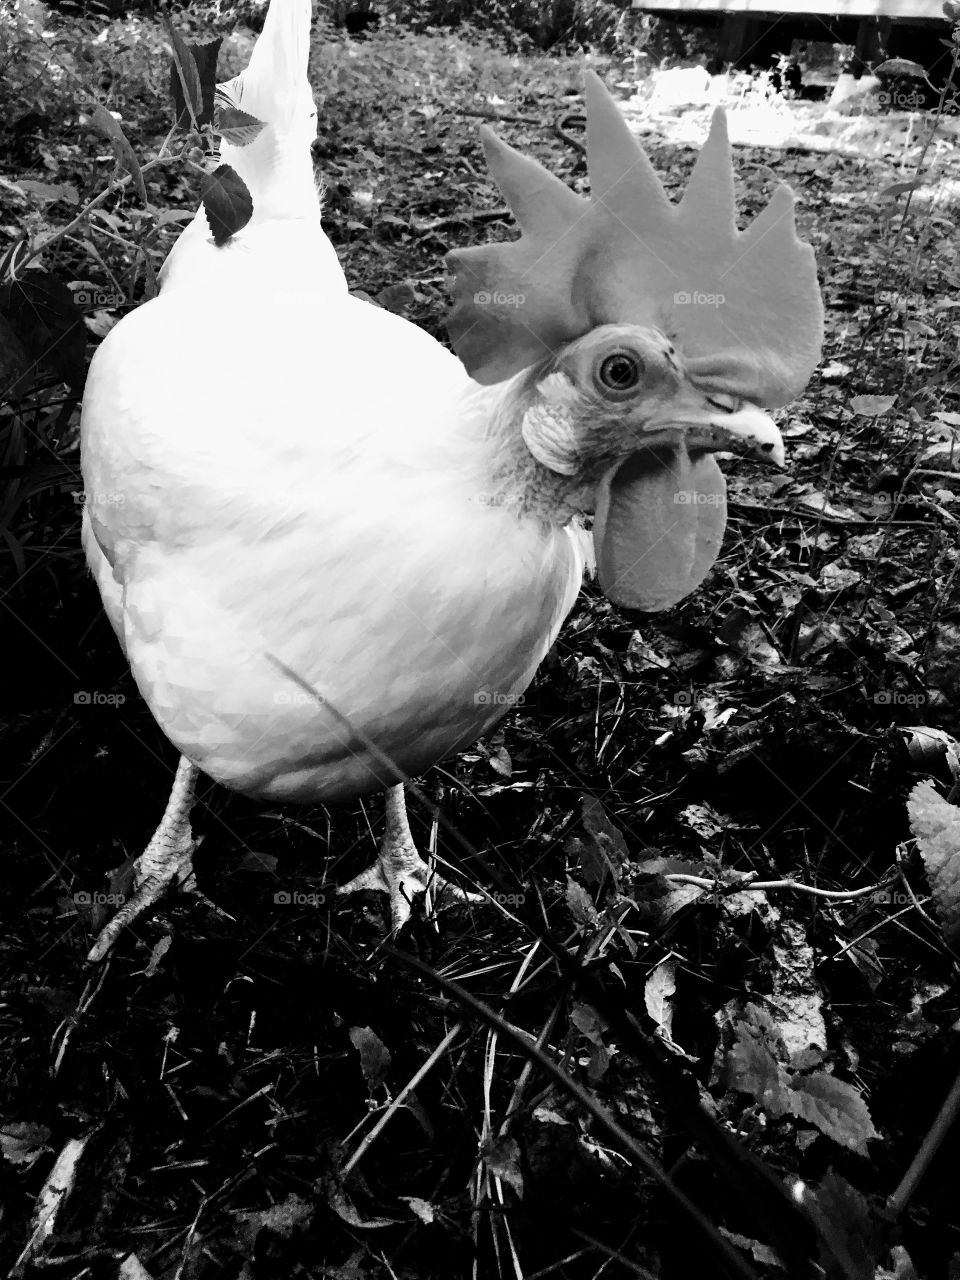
pixel 619 372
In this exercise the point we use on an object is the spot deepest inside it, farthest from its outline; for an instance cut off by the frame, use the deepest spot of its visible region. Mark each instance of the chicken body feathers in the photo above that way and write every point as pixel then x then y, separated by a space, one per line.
pixel 314 491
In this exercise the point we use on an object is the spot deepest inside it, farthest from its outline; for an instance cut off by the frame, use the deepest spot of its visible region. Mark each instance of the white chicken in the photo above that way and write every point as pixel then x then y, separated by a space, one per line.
pixel 312 483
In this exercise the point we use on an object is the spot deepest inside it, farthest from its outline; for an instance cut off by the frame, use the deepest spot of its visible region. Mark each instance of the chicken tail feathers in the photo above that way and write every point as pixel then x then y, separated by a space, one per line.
pixel 274 88
pixel 267 117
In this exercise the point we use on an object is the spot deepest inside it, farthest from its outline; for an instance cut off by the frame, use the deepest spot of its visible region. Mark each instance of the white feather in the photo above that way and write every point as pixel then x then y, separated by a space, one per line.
pixel 275 467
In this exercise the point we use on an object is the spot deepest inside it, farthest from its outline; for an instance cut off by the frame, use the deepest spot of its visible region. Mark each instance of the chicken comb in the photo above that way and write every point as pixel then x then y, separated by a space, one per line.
pixel 743 308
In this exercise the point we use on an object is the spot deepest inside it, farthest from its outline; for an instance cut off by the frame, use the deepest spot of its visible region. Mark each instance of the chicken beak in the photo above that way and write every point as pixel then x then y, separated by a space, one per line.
pixel 749 433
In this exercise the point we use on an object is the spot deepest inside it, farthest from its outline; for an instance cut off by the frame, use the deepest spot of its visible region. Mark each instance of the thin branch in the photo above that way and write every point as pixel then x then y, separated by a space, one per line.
pixel 118 184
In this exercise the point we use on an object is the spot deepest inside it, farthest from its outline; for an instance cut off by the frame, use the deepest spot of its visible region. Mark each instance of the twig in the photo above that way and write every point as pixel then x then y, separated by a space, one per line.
pixel 494 215
pixel 398 1101
pixel 735 1264
pixel 728 890
pixel 456 220
pixel 70 1024
pixel 497 118
pixel 567 118
pixel 947 1114
pixel 937 509
pixel 117 185
pixel 842 522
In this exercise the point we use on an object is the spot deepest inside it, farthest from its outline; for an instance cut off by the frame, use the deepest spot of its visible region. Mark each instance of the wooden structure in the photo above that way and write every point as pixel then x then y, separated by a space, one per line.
pixel 752 32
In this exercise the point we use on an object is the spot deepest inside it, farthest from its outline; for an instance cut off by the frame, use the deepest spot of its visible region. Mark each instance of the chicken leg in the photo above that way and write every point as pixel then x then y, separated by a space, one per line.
pixel 399 871
pixel 167 859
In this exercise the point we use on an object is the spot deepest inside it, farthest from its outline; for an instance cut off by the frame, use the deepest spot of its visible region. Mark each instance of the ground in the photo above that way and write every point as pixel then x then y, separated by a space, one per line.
pixel 261 1082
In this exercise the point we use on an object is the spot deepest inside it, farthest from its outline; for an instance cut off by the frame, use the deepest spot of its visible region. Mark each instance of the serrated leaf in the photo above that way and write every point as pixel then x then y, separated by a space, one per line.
pixel 580 905
pixel 375 1057
pixel 226 202
pixel 502 1159
pixel 101 120
pixel 835 1107
pixel 236 126
pixel 751 1068
pixel 184 80
pixel 22 1142
pixel 872 406
pixel 935 824
pixel 588 1021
